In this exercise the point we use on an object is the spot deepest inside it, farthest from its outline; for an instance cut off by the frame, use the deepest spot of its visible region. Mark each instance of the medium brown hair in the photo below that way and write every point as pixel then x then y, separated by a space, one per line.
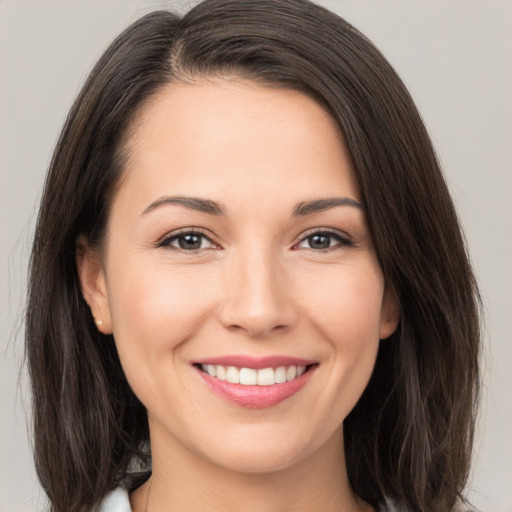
pixel 409 437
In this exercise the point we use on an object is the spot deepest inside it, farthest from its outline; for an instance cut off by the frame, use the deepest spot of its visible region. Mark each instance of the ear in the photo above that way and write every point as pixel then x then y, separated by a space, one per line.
pixel 93 284
pixel 389 313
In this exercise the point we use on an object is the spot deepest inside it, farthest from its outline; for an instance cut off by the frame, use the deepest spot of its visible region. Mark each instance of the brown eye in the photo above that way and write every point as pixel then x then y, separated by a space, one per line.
pixel 324 240
pixel 187 241
pixel 190 242
pixel 319 241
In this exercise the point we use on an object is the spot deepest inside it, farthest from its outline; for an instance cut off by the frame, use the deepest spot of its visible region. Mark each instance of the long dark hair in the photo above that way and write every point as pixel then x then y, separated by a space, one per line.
pixel 409 438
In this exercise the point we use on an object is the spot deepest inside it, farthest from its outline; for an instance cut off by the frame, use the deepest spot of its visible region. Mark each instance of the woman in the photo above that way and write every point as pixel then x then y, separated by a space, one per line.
pixel 249 287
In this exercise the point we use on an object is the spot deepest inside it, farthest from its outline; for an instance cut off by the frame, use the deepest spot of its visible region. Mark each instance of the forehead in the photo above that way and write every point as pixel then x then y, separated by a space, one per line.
pixel 235 138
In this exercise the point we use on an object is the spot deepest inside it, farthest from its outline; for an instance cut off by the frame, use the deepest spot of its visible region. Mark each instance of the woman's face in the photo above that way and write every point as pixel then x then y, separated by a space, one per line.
pixel 237 244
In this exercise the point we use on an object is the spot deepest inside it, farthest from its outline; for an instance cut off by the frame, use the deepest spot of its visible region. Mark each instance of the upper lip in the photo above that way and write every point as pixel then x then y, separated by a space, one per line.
pixel 256 363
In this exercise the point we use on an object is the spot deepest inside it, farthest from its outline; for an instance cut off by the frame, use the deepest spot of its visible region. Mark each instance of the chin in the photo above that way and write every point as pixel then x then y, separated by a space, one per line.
pixel 255 460
pixel 256 451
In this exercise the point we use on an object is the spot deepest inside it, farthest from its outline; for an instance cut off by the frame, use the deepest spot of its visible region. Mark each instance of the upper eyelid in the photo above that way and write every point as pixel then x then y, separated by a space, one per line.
pixel 185 231
pixel 332 231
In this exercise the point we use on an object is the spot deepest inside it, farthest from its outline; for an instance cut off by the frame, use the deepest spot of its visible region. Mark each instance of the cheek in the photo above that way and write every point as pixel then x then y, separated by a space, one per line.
pixel 346 309
pixel 155 312
pixel 346 305
pixel 158 307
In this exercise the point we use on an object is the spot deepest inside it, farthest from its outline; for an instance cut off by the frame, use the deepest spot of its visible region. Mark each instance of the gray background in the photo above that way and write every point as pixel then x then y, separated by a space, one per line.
pixel 453 55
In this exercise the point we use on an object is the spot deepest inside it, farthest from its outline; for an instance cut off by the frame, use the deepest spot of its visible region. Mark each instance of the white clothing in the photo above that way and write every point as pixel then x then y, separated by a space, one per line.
pixel 116 501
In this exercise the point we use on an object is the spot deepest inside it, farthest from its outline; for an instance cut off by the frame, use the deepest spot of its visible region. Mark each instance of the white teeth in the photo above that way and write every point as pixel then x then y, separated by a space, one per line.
pixel 221 372
pixel 291 373
pixel 233 375
pixel 252 377
pixel 266 377
pixel 280 375
pixel 248 376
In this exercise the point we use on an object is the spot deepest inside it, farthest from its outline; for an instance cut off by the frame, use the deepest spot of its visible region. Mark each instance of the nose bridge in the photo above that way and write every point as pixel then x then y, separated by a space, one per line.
pixel 257 298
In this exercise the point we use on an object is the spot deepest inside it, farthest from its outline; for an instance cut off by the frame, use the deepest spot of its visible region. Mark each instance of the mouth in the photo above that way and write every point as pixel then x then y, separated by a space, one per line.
pixel 255 377
pixel 255 383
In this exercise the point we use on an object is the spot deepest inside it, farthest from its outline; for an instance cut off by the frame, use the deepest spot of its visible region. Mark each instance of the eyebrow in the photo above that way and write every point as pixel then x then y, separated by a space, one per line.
pixel 194 203
pixel 213 208
pixel 319 205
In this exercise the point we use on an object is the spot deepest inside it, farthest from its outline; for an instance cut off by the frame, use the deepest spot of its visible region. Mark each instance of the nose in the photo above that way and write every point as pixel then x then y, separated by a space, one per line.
pixel 258 299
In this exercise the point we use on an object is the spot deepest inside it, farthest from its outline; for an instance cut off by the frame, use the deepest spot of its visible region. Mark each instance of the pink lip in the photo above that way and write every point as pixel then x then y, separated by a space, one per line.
pixel 256 363
pixel 256 397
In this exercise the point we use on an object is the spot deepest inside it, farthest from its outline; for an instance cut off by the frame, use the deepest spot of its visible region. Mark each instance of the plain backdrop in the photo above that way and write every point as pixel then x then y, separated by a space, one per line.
pixel 455 57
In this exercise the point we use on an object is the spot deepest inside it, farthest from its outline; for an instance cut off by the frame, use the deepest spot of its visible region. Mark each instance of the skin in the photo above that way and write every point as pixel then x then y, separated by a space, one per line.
pixel 256 287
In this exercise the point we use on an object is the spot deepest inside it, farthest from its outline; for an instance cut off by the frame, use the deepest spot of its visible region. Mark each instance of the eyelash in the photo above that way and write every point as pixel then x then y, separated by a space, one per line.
pixel 343 240
pixel 167 240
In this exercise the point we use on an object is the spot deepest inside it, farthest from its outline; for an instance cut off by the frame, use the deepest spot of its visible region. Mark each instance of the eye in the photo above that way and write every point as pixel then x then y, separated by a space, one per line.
pixel 188 241
pixel 324 240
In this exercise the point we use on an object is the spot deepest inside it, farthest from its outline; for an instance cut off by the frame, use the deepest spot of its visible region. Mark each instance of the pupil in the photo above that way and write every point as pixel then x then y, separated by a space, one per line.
pixel 319 241
pixel 190 242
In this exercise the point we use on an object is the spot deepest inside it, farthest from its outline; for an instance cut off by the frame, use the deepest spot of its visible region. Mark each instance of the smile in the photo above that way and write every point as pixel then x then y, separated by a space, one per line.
pixel 255 382
pixel 253 377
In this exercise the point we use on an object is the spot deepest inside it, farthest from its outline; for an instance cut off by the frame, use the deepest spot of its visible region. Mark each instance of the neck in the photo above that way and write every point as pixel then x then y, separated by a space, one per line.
pixel 185 482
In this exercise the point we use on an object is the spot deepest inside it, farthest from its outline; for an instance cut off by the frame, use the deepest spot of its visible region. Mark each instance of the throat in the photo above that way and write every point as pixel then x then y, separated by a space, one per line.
pixel 188 481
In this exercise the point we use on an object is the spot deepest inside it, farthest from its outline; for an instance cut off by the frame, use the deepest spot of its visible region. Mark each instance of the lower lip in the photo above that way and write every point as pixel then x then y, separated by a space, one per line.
pixel 256 397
